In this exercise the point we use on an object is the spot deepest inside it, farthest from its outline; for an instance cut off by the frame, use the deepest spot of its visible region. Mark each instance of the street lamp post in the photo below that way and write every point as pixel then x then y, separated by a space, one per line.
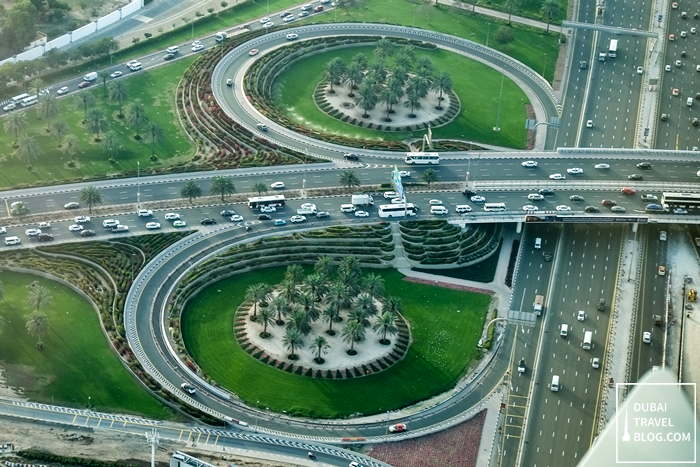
pixel 544 67
pixel 24 76
pixel 500 97
pixel 257 406
pixel 488 32
pixel 138 185
pixel 303 181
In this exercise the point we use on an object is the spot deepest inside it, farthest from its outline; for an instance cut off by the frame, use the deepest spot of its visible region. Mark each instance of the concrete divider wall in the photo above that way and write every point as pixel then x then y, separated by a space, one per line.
pixel 111 18
pixel 132 8
pixel 57 43
pixel 83 32
pixel 31 54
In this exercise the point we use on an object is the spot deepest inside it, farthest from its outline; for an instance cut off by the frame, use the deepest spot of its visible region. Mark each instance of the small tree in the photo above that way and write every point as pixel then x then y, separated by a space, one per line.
pixel 37 326
pixel 90 195
pixel 18 210
pixel 266 318
pixel 190 190
pixel 224 4
pixel 72 145
pixel 28 149
pixel 349 179
pixel 111 145
pixel 429 176
pixel 85 100
pixel 104 76
pixel 96 122
pixel 59 128
pixel 504 35
pixel 148 35
pixel 15 124
pixel 118 92
pixel 353 332
pixel 259 187
pixel 47 108
pixel 136 117
pixel 320 345
pixel 386 324
pixel 153 135
pixel 291 340
pixel 549 11
pixel 221 185
pixel 210 10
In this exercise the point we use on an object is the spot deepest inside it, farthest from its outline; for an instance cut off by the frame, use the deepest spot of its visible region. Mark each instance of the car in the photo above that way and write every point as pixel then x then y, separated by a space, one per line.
pixel 684 34
pixel 237 218
pixel 635 177
pixel 618 209
pixel 576 198
pixel 581 315
pixel 264 20
pixel 229 82
pixel 45 237
pixel 530 207
pixel 602 166
pixel 662 270
pixel 674 5
pixel 351 156
pixel 649 197
pixel 228 212
pixel 179 224
pixel 303 14
pixel 88 233
pixel 264 217
pixel 609 202
pixel 563 208
pixel 168 56
pixel 3 230
pixel 308 206
pixel 188 388
pixel 535 197
pixel 261 127
pixel 589 123
pixel 667 68
pixel 404 173
pixel 628 191
pixel 292 36
pixel 120 228
pixel 32 232
pixel 575 171
pixel 288 18
pixel 131 63
pixel 557 177
pixel 325 1
pixel 318 8
pixel 44 225
pixel 10 106
pixel 62 91
pixel 197 48
pixel 678 63
pixel 110 223
pixel 697 241
pixel 144 213
pixel 116 74
pixel 435 202
pixel 547 256
pixel 306 7
pixel 470 193
pixel 172 216
pixel 546 191
pixel 268 209
pixel 398 200
pixel 693 30
pixel 398 428
pixel 253 52
pixel 195 43
pixel 322 214
pixel 81 219
pixel 640 70
pixel 477 199
pixel 671 37
pixel 297 219
pixel 277 185
pixel 675 92
pixel 529 164
pixel 595 362
pixel 583 64
pixel 680 211
pixel 591 209
pixel 644 165
pixel 75 228
pixel 153 225
pixel 269 24
pixel 84 84
pixel 207 221
pixel 279 222
pixel 71 205
pixel 361 214
pixel 646 337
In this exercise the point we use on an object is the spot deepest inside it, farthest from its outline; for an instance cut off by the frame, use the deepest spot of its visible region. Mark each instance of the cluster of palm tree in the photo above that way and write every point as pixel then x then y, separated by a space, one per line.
pixel 379 83
pixel 220 186
pixel 326 294
pixel 39 297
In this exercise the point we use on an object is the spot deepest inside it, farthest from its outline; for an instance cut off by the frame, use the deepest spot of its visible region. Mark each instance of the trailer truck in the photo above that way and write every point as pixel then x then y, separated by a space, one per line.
pixel 539 301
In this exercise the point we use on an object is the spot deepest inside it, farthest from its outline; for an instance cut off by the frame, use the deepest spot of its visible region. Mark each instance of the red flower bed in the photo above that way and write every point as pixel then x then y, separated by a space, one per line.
pixel 448 285
pixel 455 447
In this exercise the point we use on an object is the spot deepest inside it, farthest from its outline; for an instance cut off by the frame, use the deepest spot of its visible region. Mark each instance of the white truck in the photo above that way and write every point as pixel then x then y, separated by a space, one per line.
pixel 220 36
pixel 92 76
pixel 539 300
pixel 362 200
pixel 306 211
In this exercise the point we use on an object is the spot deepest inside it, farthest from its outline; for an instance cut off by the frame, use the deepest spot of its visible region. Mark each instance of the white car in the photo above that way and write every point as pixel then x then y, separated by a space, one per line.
pixel 268 209
pixel 361 214
pixel 10 106
pixel 32 232
pixel 269 24
pixel 398 200
pixel 75 228
pixel 404 173
pixel 288 18
pixel 435 202
pixel 640 70
pixel 179 224
pixel 237 218
pixel 663 236
pixel 530 207
pixel 535 197
pixel 646 337
pixel 277 185
pixel 563 207
pixel 62 91
pixel 81 219
pixel 109 223
pixel 292 36
pixel 667 68
pixel 477 199
pixel 44 225
pixel 557 177
pixel 197 48
pixel 308 206
pixel 172 216
pixel 390 195
pixel 581 315
pixel 680 211
pixel 303 13
pixel 264 20
pixel 530 164
pixel 575 171
pixel 153 225
pixel 297 219
pixel 602 166
pixel 144 213
pixel 116 74
pixel 253 52
pixel 193 44
pixel 589 124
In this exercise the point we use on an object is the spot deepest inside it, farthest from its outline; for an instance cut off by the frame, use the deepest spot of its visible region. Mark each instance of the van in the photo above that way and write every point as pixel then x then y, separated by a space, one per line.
pixel 555 383
pixel 587 340
pixel 173 49
pixel 12 241
pixel 462 208
pixel 440 210
pixel 689 102
pixel 90 76
pixel 564 330
pixel 136 66
pixel 347 208
pixel 538 243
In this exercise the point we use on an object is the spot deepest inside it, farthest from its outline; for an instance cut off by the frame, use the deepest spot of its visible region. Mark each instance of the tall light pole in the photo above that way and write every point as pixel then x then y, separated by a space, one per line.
pixel 138 185
pixel 257 406
pixel 488 31
pixel 303 181
pixel 500 97
pixel 544 67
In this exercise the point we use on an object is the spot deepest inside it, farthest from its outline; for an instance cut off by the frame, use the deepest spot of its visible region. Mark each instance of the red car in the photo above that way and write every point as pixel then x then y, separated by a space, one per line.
pixel 398 428
pixel 628 191
pixel 318 8
pixel 609 202
pixel 84 84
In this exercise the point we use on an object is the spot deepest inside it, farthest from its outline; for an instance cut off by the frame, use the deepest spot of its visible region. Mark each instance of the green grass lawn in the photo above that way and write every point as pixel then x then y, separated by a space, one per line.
pixel 444 343
pixel 154 88
pixel 477 85
pixel 75 363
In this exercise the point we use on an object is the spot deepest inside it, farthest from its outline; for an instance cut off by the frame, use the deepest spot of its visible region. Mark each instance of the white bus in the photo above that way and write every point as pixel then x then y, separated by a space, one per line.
pixel 422 158
pixel 257 201
pixel 397 210
pixel 27 101
pixel 20 98
pixel 494 207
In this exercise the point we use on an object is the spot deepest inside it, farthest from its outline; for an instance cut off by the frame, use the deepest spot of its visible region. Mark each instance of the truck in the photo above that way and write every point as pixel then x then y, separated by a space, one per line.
pixel 362 200
pixel 612 51
pixel 220 36
pixel 90 76
pixel 539 300
pixel 306 211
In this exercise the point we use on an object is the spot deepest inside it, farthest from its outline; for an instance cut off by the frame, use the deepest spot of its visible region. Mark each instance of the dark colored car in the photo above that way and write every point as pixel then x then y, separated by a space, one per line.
pixel 264 217
pixel 601 304
pixel 591 209
pixel 635 177
pixel 469 193
pixel 207 221
pixel 318 8
pixel 609 202
pixel 87 233
pixel 45 237
pixel 644 165
pixel 322 214
pixel 169 56
pixel 351 156
pixel 546 192
pixel 547 256
pixel 84 84
pixel 228 212
pixel 576 198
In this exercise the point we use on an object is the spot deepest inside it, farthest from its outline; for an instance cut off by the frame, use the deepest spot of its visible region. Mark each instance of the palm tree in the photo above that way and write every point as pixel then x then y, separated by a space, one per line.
pixel 405 57
pixel 353 332
pixel 300 321
pixel 85 100
pixel 386 324
pixel 360 59
pixel 388 97
pixel 190 190
pixel 118 92
pixel 350 265
pixel 400 75
pixel 366 302
pixel 154 135
pixel 136 117
pixel 512 6
pixel 443 83
pixel 349 281
pixel 354 76
pixel 349 179
pixel 222 185
pixel 315 284
pixel 320 345
pixel 308 304
pixel 36 86
pixel 72 146
pixel 324 266
pixel 367 98
pixel 359 315
pixel 377 72
pixel 280 307
pixel 420 85
pixel 549 11
pixel 47 107
pixel 331 315
pixel 39 297
pixel 16 124
pixel 96 122
pixel 266 318
pixel 393 305
pixel 294 273
pixel 28 149
pixel 259 187
pixel 18 210
pixel 291 340
pixel 373 284
pixel 90 195
pixel 104 76
pixel 256 293
pixel 384 48
pixel 333 71
pixel 424 64
pixel 289 291
pixel 59 128
pixel 37 326
pixel 412 102
pixel 429 176
pixel 110 144
pixel 338 295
